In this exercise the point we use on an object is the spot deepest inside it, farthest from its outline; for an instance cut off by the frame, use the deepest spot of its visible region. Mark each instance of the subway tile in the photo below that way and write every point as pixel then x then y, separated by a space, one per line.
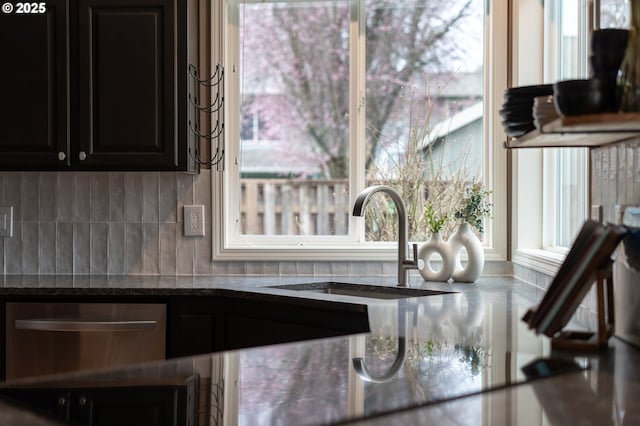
pixel 168 198
pixel 13 194
pixel 150 249
pixel 322 269
pixel 64 248
pixel 341 269
pixel 133 243
pixel 596 173
pixel 167 248
pixel 184 192
pixel 628 174
pixel 636 171
pixel 30 196
pixel 202 191
pixel 47 196
pixel 64 197
pixel 30 231
pixel 81 248
pixel 305 268
pixel 3 260
pixel 202 265
pixel 185 250
pixel 133 197
pixel 2 189
pixel 150 201
pixel 13 250
pixel 271 268
pixel 116 197
pixel 99 197
pixel 47 248
pixel 357 269
pixel 82 197
pixel 255 268
pixel 289 268
pixel 237 268
pixel 116 264
pixel 373 269
pixel 220 268
pixel 99 248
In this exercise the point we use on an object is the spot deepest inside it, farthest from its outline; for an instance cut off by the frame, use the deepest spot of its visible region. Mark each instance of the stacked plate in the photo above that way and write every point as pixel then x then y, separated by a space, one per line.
pixel 544 111
pixel 517 109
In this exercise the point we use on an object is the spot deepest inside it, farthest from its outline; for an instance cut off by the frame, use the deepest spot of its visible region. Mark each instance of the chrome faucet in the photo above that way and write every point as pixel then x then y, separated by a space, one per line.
pixel 404 264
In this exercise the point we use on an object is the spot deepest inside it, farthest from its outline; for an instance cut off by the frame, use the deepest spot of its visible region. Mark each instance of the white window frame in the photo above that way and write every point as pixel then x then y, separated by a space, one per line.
pixel 226 245
pixel 535 175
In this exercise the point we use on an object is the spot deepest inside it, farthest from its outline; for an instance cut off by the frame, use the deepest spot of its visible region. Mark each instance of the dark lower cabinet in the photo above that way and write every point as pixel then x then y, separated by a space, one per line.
pixel 132 405
pixel 201 325
pixel 193 326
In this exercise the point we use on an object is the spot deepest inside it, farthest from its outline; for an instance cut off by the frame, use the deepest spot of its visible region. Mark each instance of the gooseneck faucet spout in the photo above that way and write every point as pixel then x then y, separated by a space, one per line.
pixel 404 264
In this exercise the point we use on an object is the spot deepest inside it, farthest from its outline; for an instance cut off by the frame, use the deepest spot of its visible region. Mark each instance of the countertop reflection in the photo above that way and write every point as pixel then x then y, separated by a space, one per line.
pixel 456 347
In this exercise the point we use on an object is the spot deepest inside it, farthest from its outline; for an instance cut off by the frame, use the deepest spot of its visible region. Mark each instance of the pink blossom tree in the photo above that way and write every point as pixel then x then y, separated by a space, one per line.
pixel 301 50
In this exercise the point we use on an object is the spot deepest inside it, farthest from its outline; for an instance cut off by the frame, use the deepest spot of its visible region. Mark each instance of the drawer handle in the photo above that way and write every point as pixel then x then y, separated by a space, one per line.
pixel 75 325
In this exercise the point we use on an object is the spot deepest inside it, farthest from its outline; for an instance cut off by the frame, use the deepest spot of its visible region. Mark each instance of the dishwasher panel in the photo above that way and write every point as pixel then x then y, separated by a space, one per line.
pixel 47 338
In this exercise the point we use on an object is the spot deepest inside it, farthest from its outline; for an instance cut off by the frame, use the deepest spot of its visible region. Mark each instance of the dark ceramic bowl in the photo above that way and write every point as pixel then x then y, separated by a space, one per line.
pixel 579 97
pixel 527 93
pixel 607 62
pixel 608 39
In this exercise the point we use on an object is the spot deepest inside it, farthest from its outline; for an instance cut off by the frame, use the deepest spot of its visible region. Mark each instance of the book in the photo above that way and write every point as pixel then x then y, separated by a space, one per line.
pixel 591 251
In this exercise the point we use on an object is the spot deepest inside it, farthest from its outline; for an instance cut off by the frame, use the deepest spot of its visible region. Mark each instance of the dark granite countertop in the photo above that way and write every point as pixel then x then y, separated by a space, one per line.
pixel 462 360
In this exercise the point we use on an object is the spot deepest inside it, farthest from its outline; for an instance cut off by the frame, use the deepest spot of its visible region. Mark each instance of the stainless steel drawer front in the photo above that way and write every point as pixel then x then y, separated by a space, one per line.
pixel 91 326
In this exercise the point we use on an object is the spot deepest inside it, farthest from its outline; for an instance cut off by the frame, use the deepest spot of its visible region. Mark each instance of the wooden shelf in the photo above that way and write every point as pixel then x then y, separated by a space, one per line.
pixel 581 131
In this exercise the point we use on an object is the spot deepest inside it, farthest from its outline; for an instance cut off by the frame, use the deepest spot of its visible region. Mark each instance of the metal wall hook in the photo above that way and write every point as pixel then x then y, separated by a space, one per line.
pixel 216 79
pixel 215 108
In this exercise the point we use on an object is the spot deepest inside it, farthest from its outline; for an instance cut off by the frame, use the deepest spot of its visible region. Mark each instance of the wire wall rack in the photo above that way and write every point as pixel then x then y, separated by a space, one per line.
pixel 215 109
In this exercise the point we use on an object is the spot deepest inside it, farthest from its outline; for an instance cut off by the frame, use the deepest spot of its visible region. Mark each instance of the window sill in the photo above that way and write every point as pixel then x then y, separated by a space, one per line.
pixel 544 261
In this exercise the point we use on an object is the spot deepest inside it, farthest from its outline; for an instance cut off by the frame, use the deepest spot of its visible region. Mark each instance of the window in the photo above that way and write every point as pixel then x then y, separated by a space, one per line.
pixel 567 30
pixel 551 196
pixel 323 98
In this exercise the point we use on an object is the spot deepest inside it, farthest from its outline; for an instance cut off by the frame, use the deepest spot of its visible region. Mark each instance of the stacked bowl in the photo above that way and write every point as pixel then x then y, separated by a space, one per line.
pixel 517 109
pixel 607 46
pixel 598 93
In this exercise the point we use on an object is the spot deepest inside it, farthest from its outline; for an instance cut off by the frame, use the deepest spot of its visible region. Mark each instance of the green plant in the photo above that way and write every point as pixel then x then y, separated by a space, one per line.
pixel 475 206
pixel 435 222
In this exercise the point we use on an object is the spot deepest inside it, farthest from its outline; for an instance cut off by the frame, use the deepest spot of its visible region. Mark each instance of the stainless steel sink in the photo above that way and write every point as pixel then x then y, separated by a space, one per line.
pixel 360 290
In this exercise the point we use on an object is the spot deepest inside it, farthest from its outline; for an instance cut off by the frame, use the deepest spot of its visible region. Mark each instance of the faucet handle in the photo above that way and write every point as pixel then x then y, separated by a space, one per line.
pixel 414 261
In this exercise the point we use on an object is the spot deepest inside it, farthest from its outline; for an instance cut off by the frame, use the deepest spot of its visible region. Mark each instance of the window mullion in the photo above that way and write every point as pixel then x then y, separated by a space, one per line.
pixel 357 109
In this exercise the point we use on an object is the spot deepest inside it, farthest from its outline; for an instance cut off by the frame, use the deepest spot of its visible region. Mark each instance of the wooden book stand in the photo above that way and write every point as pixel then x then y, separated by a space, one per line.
pixel 598 340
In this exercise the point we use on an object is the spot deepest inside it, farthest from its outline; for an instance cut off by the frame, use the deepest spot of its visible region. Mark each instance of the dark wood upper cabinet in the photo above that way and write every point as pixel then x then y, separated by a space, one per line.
pixel 96 85
pixel 34 88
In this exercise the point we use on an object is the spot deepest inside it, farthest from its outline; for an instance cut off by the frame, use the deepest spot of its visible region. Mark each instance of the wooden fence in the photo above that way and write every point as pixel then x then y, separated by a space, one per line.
pixel 284 207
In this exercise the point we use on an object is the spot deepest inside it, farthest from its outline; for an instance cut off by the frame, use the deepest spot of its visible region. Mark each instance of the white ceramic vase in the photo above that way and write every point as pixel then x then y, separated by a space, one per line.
pixel 436 245
pixel 464 237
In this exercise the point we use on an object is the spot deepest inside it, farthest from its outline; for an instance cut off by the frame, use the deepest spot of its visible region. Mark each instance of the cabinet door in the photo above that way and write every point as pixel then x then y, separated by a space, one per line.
pixel 33 88
pixel 127 74
pixel 152 406
pixel 193 327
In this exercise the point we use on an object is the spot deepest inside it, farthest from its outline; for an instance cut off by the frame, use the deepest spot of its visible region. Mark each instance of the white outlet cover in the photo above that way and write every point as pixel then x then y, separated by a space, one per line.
pixel 193 218
pixel 6 222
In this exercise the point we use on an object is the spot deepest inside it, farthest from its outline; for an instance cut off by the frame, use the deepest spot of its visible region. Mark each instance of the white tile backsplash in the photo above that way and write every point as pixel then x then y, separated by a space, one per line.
pixel 126 223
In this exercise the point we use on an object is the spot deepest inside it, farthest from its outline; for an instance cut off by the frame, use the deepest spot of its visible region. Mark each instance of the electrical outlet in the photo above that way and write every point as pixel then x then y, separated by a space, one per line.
pixel 193 217
pixel 6 222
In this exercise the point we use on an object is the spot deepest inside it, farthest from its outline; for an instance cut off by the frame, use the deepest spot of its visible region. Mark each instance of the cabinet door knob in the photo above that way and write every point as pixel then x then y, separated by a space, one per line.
pixel 82 401
pixel 82 156
pixel 62 156
pixel 62 401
